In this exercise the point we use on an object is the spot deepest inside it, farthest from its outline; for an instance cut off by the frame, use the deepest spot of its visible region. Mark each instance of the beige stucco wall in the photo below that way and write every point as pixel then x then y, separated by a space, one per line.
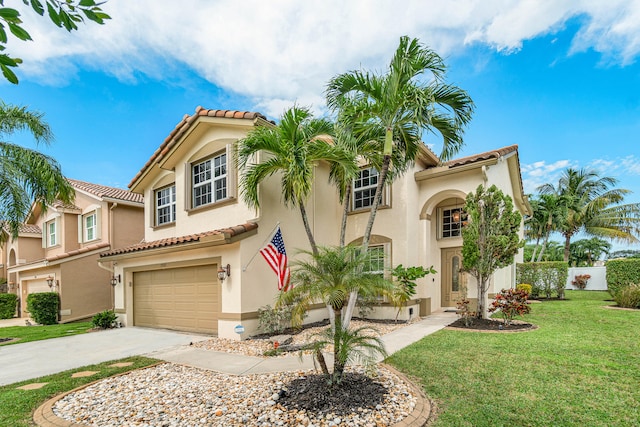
pixel 127 225
pixel 84 288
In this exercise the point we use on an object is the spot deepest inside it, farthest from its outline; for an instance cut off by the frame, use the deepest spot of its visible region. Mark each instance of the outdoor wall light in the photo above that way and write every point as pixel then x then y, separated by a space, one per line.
pixel 115 280
pixel 52 282
pixel 455 216
pixel 224 272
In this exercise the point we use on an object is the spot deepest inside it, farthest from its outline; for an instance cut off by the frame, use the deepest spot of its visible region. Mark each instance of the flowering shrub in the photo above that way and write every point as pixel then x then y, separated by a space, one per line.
pixel 465 312
pixel 524 287
pixel 510 302
pixel 580 280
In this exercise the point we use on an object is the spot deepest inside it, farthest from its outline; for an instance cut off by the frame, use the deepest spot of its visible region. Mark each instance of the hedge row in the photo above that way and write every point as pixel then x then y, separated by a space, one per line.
pixel 545 278
pixel 8 304
pixel 622 273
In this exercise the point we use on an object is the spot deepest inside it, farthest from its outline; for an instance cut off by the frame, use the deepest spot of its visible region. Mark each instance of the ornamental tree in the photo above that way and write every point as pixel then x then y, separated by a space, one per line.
pixel 490 238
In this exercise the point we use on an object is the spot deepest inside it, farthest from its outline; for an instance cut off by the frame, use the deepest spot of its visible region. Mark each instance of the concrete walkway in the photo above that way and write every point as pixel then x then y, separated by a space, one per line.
pixel 242 365
pixel 20 362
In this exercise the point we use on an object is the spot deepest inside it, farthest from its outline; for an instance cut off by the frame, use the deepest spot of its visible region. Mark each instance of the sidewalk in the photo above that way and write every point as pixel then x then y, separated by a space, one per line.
pixel 243 365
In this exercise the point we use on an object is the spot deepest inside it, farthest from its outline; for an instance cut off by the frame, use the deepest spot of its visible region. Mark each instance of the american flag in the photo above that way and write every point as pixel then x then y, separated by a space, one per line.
pixel 276 256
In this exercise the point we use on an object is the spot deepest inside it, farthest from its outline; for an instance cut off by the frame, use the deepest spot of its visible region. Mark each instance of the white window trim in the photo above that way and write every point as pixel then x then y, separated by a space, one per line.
pixel 229 177
pixel 46 235
pixel 386 195
pixel 171 205
pixel 83 232
pixel 441 212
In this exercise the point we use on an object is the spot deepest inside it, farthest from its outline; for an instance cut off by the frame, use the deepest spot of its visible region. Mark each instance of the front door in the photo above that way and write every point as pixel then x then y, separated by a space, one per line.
pixel 451 276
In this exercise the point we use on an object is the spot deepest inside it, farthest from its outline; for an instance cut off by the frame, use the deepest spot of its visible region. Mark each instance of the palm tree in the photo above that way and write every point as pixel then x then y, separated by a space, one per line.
pixel 393 109
pixel 291 149
pixel 330 276
pixel 27 176
pixel 594 207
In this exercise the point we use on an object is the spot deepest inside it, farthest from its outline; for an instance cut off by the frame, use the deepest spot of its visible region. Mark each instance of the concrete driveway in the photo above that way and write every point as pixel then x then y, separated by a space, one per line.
pixel 20 362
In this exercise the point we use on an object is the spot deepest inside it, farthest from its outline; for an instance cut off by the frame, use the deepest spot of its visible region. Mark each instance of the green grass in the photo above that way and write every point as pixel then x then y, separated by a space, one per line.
pixel 37 333
pixel 17 406
pixel 580 368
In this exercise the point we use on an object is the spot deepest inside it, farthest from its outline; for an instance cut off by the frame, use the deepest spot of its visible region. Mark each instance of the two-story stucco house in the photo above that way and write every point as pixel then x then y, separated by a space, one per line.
pixel 57 249
pixel 196 224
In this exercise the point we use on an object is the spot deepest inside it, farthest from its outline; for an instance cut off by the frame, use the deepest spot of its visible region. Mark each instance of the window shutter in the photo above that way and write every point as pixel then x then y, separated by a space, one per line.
pixel 44 234
pixel 98 223
pixel 80 229
pixel 188 189
pixel 232 173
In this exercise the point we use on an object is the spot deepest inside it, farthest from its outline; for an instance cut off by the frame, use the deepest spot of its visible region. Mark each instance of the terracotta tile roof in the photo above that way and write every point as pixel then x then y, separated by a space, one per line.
pixel 103 191
pixel 24 228
pixel 78 251
pixel 493 154
pixel 30 228
pixel 172 241
pixel 184 125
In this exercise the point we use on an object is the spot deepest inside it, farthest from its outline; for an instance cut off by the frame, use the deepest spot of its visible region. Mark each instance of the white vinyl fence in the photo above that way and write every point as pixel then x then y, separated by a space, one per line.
pixel 598 281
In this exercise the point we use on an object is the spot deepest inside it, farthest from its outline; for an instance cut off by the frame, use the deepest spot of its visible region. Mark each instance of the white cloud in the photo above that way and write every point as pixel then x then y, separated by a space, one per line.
pixel 281 51
pixel 539 173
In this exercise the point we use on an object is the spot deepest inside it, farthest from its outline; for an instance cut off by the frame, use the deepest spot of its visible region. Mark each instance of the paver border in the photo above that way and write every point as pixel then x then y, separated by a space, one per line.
pixel 44 416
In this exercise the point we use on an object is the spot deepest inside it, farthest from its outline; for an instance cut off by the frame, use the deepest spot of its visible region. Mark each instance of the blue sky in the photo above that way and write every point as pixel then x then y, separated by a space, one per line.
pixel 559 78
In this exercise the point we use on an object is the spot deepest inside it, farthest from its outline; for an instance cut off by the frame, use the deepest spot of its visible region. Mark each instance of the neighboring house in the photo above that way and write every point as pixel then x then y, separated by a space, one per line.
pixel 196 224
pixel 57 249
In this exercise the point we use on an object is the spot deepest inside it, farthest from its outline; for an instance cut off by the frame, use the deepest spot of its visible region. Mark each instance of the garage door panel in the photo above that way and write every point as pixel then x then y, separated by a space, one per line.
pixel 182 298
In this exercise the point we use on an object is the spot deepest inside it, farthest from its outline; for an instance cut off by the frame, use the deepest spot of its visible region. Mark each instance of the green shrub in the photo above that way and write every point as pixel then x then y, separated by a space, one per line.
pixel 8 303
pixel 629 297
pixel 622 273
pixel 274 320
pixel 43 307
pixel 524 287
pixel 544 277
pixel 104 320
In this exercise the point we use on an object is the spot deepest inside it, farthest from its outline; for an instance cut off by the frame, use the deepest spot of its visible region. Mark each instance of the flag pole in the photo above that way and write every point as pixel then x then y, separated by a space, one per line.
pixel 262 245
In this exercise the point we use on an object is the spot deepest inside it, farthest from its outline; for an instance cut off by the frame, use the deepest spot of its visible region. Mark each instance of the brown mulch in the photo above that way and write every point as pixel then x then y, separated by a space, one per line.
pixel 493 325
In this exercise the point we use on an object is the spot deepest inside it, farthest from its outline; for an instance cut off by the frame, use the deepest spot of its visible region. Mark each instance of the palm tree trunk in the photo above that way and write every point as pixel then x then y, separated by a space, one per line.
pixel 338 364
pixel 345 212
pixel 353 296
pixel 567 247
pixel 535 249
pixel 307 228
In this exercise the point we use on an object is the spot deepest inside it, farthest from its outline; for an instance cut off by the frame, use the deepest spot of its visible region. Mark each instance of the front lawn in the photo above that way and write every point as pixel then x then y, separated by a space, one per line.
pixel 17 406
pixel 580 368
pixel 36 333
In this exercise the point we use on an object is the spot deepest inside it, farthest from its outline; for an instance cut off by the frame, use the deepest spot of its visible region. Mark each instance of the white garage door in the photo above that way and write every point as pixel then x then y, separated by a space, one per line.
pixel 184 299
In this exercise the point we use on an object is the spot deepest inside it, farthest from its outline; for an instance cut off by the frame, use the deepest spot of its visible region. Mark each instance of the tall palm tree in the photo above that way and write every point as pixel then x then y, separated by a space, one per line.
pixel 330 275
pixel 395 108
pixel 554 210
pixel 594 207
pixel 27 176
pixel 291 149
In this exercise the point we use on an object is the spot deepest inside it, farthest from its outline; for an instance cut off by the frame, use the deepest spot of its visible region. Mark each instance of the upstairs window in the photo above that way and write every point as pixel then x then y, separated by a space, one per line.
pixel 90 227
pixel 50 233
pixel 209 181
pixel 364 188
pixel 166 205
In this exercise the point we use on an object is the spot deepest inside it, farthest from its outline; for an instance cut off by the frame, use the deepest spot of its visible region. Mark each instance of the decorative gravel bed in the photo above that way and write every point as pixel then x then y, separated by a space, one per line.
pixel 171 395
